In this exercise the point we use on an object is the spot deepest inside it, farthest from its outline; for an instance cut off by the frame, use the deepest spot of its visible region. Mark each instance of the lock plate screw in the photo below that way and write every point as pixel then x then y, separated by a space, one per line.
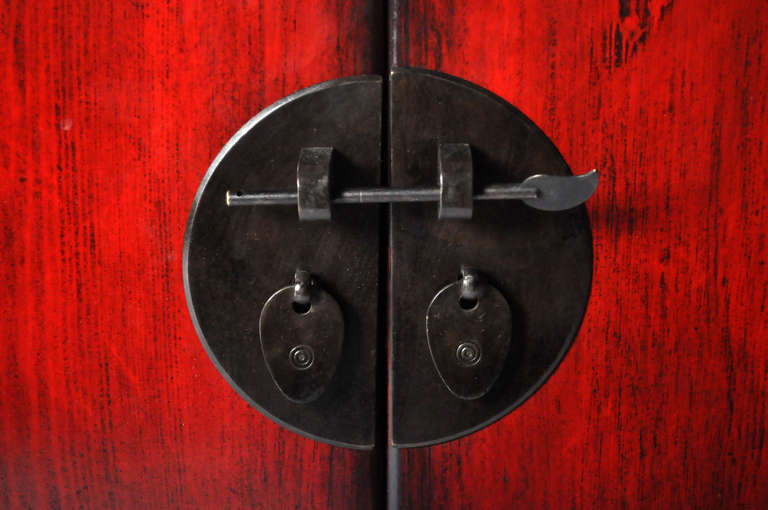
pixel 468 354
pixel 302 357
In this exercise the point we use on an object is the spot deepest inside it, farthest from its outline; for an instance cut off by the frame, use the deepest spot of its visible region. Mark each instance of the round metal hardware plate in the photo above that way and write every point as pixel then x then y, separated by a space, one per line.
pixel 540 261
pixel 235 258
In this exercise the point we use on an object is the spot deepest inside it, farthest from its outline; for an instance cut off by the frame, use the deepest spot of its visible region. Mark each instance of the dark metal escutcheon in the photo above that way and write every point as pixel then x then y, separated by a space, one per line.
pixel 301 342
pixel 440 127
pixel 469 337
pixel 236 257
pixel 540 261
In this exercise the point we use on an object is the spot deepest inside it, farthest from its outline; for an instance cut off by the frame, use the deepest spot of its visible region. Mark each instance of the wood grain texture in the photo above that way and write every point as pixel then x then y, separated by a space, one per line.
pixel 661 403
pixel 111 113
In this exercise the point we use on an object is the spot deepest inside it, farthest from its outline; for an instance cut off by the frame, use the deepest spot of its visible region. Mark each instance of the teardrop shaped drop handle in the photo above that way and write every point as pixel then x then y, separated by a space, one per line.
pixel 302 331
pixel 469 328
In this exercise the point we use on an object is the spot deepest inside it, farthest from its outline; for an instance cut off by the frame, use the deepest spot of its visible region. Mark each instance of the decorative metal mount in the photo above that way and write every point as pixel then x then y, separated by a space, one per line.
pixel 236 258
pixel 468 348
pixel 540 263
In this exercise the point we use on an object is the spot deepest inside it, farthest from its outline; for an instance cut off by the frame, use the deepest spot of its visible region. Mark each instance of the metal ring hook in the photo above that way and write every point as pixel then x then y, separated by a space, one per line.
pixel 302 287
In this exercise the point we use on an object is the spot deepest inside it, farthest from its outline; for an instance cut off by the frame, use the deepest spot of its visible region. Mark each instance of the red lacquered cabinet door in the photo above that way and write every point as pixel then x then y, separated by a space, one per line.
pixel 111 113
pixel 661 401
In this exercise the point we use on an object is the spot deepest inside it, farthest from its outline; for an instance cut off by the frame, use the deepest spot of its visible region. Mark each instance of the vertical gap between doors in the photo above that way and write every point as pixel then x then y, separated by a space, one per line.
pixel 385 459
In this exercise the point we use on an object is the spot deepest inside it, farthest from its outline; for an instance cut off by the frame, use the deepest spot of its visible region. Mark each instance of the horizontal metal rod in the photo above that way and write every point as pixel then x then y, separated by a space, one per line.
pixel 263 198
pixel 386 195
pixel 382 195
pixel 508 192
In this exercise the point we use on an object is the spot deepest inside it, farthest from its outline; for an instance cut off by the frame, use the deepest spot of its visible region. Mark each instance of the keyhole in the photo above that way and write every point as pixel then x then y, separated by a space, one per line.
pixel 468 304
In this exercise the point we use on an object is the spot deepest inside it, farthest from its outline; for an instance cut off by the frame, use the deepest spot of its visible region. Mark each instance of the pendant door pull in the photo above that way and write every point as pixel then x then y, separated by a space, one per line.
pixel 469 327
pixel 301 330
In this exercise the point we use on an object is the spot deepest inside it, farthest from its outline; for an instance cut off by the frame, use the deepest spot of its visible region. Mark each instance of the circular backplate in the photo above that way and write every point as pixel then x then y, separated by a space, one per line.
pixel 541 261
pixel 235 258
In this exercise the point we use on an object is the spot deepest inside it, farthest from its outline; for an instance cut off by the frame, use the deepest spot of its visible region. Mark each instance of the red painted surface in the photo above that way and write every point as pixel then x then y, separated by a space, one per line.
pixel 111 113
pixel 661 403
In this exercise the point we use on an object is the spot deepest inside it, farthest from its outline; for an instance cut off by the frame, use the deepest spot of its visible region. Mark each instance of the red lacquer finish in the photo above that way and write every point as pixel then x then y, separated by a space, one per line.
pixel 111 113
pixel 661 403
